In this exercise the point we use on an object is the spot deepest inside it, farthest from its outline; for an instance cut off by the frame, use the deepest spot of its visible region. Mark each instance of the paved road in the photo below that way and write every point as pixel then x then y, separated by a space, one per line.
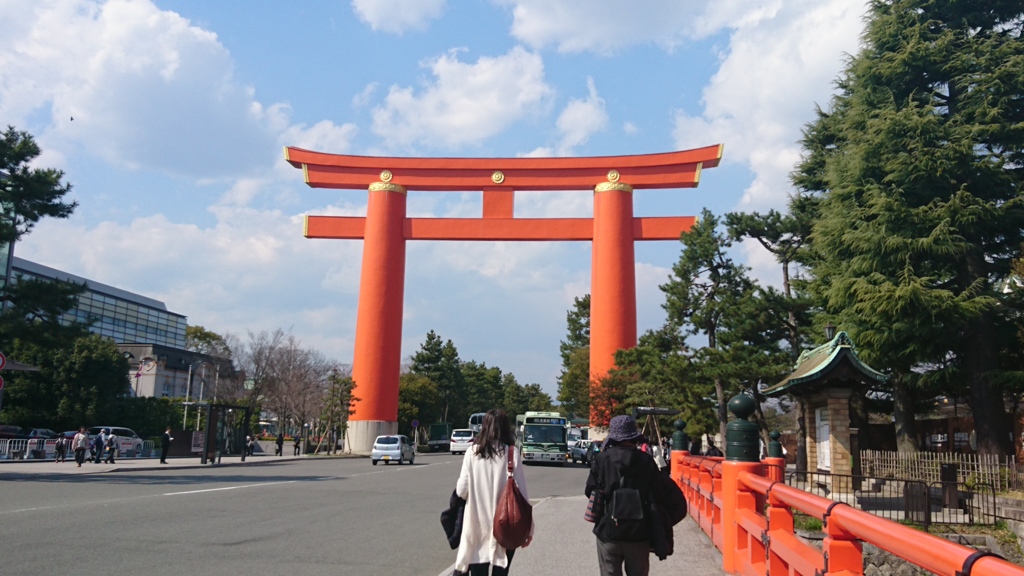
pixel 295 517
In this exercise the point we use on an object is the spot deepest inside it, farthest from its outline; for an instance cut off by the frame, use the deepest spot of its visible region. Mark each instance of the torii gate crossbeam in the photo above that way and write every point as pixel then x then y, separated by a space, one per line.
pixel 385 230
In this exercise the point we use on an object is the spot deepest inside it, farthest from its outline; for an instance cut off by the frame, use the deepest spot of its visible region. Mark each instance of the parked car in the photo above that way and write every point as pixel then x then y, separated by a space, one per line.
pixel 9 431
pixel 578 452
pixel 44 433
pixel 462 439
pixel 127 439
pixel 392 448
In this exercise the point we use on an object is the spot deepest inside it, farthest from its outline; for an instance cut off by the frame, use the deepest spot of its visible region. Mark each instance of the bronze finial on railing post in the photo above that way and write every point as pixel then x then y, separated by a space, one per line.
pixel 741 435
pixel 775 447
pixel 679 439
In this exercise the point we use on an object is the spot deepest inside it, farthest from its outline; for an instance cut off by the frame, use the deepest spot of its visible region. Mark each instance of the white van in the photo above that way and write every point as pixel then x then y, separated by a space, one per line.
pixel 476 421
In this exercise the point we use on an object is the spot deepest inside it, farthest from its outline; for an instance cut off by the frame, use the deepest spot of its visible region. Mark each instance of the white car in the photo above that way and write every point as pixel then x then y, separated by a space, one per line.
pixel 462 439
pixel 127 439
pixel 578 453
pixel 393 448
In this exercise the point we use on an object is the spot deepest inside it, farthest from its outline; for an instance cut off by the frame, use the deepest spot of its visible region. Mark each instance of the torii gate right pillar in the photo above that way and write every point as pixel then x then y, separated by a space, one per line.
pixel 612 288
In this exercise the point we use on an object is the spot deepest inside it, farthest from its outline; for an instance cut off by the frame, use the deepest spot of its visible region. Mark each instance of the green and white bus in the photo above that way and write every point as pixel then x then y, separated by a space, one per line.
pixel 542 437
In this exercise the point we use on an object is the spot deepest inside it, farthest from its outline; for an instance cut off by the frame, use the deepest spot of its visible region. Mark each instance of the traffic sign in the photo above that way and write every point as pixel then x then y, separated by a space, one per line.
pixel 3 360
pixel 415 423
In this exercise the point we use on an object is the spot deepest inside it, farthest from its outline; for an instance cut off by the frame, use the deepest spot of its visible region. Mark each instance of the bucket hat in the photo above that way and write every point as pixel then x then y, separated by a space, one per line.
pixel 623 429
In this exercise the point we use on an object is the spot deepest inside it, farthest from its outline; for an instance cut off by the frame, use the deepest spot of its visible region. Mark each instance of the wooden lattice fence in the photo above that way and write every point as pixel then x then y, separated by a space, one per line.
pixel 1001 472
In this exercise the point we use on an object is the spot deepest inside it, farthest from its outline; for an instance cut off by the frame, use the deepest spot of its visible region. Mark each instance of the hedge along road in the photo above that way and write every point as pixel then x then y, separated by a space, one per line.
pixel 310 516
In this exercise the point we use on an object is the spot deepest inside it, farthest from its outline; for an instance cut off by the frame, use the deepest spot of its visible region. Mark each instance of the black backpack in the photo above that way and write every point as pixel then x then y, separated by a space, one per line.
pixel 626 503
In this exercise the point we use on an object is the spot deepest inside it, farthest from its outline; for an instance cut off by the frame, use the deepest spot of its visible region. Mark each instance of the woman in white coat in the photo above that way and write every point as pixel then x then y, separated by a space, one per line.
pixel 483 477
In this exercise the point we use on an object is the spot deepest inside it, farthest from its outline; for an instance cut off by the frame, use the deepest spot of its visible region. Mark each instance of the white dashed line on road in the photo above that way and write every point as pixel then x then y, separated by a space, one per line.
pixel 228 488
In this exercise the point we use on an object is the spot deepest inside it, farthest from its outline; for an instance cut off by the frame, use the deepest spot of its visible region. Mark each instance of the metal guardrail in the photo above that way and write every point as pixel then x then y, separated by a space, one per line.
pixel 40 449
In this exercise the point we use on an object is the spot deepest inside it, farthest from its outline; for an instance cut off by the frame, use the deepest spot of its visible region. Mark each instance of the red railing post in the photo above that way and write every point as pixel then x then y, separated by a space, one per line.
pixel 843 551
pixel 735 497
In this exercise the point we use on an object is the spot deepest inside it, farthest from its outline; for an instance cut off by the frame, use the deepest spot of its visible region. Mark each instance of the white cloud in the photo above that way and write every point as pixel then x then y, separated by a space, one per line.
pixel 581 119
pixel 249 260
pixel 146 88
pixel 364 98
pixel 629 128
pixel 398 16
pixel 607 26
pixel 466 103
pixel 764 90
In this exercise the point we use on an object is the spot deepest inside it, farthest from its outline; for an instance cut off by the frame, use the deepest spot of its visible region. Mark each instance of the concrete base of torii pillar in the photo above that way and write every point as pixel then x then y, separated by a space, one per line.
pixel 362 433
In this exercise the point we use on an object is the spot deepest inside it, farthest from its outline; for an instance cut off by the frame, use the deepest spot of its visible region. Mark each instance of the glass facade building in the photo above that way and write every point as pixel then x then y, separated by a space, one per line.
pixel 123 316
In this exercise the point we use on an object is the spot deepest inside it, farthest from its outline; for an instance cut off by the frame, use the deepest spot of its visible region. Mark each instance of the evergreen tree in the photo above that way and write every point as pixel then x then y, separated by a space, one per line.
pixel 28 194
pixel 79 385
pixel 417 400
pixel 707 287
pixel 483 387
pixel 916 170
pixel 440 362
pixel 574 380
pixel 784 236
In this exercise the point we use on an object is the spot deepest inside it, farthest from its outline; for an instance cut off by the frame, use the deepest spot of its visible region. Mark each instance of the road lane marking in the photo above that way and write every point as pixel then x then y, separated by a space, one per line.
pixel 228 488
pixel 29 509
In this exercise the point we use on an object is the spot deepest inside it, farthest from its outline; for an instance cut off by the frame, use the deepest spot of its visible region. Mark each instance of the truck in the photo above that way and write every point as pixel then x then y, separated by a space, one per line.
pixel 440 437
pixel 542 437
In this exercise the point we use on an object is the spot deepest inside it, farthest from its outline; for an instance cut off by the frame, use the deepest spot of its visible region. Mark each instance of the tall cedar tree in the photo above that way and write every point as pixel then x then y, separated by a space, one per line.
pixel 574 380
pixel 918 168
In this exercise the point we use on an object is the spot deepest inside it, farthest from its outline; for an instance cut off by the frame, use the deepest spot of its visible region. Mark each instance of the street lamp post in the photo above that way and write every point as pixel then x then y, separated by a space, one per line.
pixel 188 397
pixel 199 410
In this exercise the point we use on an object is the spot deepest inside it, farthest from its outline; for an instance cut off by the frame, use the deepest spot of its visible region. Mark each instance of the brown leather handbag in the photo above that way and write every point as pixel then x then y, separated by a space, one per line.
pixel 514 516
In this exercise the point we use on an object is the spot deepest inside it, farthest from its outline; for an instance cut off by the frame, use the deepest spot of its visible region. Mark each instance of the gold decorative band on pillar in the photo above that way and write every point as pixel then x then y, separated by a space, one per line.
pixel 613 187
pixel 386 187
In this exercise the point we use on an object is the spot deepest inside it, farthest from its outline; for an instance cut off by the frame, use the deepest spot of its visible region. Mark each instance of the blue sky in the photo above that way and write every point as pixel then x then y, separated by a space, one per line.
pixel 181 110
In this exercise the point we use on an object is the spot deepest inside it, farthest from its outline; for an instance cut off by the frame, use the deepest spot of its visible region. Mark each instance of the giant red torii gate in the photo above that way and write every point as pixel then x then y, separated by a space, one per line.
pixel 385 229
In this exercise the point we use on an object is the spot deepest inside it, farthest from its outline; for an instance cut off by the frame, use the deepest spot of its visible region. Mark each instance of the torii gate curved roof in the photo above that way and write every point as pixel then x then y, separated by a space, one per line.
pixel 679 169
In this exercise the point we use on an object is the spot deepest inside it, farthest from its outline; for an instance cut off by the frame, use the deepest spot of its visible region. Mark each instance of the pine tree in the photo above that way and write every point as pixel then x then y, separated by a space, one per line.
pixel 574 380
pixel 916 170
pixel 440 362
pixel 784 236
pixel 706 287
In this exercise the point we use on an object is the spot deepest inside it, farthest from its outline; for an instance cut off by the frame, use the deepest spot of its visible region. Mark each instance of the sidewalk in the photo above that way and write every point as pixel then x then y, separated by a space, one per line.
pixel 564 544
pixel 134 464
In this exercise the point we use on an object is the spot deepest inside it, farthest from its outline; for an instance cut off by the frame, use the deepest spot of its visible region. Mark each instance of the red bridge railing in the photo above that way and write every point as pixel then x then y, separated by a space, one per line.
pixel 747 512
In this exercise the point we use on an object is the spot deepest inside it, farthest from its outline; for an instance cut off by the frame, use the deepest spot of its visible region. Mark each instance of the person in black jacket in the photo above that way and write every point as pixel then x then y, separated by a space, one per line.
pixel 620 465
pixel 165 445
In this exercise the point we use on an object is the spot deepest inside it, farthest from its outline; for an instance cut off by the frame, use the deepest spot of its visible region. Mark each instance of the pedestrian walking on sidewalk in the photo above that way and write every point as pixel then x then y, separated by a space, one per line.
pixel 165 445
pixel 99 445
pixel 623 534
pixel 80 444
pixel 111 448
pixel 280 444
pixel 298 444
pixel 482 479
pixel 60 448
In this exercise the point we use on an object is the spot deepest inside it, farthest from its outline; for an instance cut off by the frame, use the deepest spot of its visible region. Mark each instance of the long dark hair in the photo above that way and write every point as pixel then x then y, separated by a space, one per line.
pixel 495 434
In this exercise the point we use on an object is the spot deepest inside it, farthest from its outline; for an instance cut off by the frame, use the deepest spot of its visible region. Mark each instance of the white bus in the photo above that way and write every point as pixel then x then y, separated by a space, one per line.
pixel 542 437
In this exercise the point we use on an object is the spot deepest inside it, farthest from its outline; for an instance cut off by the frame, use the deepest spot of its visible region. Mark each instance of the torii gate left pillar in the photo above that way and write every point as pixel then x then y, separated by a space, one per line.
pixel 385 229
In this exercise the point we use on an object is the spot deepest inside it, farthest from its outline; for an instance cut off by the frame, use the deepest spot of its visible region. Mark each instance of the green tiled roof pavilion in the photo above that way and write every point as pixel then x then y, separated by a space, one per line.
pixel 834 362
